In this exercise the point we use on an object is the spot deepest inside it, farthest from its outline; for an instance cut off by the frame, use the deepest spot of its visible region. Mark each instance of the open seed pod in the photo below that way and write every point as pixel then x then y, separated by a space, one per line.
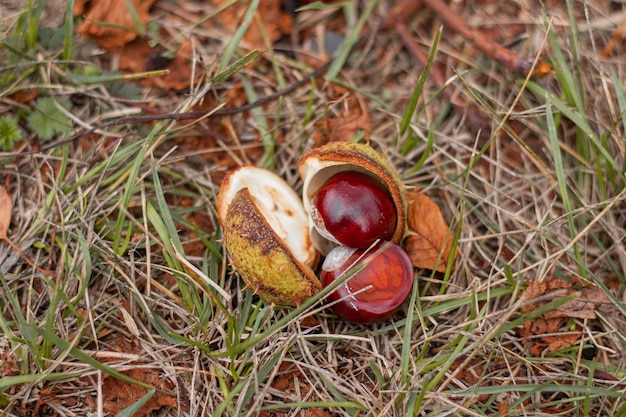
pixel 266 235
pixel 320 164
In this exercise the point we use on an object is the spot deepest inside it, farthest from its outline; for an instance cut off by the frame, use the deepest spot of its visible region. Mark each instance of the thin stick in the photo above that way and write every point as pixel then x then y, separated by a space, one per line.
pixel 510 60
pixel 190 115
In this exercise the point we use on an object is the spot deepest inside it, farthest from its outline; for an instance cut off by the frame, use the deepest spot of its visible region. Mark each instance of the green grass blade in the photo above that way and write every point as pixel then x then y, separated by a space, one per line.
pixel 85 358
pixel 580 120
pixel 139 26
pixel 9 381
pixel 353 37
pixel 562 182
pixel 132 409
pixel 406 120
pixel 68 33
pixel 233 44
pixel 237 66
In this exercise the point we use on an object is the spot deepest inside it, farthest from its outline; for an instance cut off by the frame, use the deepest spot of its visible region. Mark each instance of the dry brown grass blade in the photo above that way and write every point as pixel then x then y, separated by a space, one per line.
pixel 6 208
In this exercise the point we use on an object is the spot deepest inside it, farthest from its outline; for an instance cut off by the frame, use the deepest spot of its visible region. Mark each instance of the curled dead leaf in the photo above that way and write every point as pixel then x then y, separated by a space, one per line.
pixel 428 241
pixel 270 22
pixel 543 69
pixel 139 56
pixel 119 394
pixel 588 299
pixel 546 332
pixel 120 26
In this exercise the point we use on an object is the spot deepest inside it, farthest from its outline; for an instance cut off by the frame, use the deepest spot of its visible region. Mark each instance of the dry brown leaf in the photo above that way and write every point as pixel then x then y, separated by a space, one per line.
pixel 6 207
pixel 80 6
pixel 588 298
pixel 605 375
pixel 562 341
pixel 354 120
pixel 269 18
pixel 317 412
pixel 139 56
pixel 119 29
pixel 119 394
pixel 429 239
pixel 342 128
pixel 546 331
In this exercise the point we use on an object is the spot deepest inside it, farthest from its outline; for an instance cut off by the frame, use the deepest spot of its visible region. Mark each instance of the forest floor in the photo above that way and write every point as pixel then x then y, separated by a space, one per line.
pixel 119 120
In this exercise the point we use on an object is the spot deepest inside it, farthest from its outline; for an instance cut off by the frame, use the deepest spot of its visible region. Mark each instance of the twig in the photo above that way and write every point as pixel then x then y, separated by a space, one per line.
pixel 510 60
pixel 190 115
pixel 397 19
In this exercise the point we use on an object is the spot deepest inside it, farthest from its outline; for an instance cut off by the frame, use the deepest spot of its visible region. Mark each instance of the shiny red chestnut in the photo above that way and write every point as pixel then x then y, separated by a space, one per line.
pixel 381 283
pixel 353 209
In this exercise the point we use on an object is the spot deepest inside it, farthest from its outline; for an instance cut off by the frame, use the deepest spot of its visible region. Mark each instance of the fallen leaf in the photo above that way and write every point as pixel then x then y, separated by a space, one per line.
pixel 9 362
pixel 588 298
pixel 6 207
pixel 503 408
pixel 543 69
pixel 109 22
pixel 562 341
pixel 470 372
pixel 287 378
pixel 79 7
pixel 272 413
pixel 353 121
pixel 270 21
pixel 46 396
pixel 309 321
pixel 316 412
pixel 545 332
pixel 139 56
pixel 119 394
pixel 25 95
pixel 429 239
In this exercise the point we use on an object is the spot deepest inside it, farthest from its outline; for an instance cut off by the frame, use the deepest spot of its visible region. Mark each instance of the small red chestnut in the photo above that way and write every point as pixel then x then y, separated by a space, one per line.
pixel 353 209
pixel 374 292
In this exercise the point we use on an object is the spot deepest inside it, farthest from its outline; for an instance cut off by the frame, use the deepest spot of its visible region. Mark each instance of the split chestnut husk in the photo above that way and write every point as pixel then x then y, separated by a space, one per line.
pixel 266 236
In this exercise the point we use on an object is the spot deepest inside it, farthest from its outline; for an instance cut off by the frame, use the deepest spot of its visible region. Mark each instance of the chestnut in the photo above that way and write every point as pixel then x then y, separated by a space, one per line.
pixel 381 283
pixel 272 241
pixel 354 210
pixel 327 167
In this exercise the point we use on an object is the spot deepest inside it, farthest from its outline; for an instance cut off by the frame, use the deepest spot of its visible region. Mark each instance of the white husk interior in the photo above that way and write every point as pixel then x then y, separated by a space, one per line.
pixel 280 204
pixel 337 258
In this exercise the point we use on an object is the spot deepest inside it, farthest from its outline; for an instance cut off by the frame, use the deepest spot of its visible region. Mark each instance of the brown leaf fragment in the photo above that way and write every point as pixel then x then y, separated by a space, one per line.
pixel 6 207
pixel 109 22
pixel 352 121
pixel 270 21
pixel 587 298
pixel 616 42
pixel 562 341
pixel 428 241
pixel 546 331
pixel 121 394
pixel 316 412
pixel 139 56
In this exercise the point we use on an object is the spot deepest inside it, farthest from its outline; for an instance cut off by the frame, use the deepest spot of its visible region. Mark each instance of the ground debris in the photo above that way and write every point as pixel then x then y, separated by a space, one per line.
pixel 546 331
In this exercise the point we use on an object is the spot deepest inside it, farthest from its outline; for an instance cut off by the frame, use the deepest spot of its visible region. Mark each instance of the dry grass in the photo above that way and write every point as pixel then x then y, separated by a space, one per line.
pixel 104 216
